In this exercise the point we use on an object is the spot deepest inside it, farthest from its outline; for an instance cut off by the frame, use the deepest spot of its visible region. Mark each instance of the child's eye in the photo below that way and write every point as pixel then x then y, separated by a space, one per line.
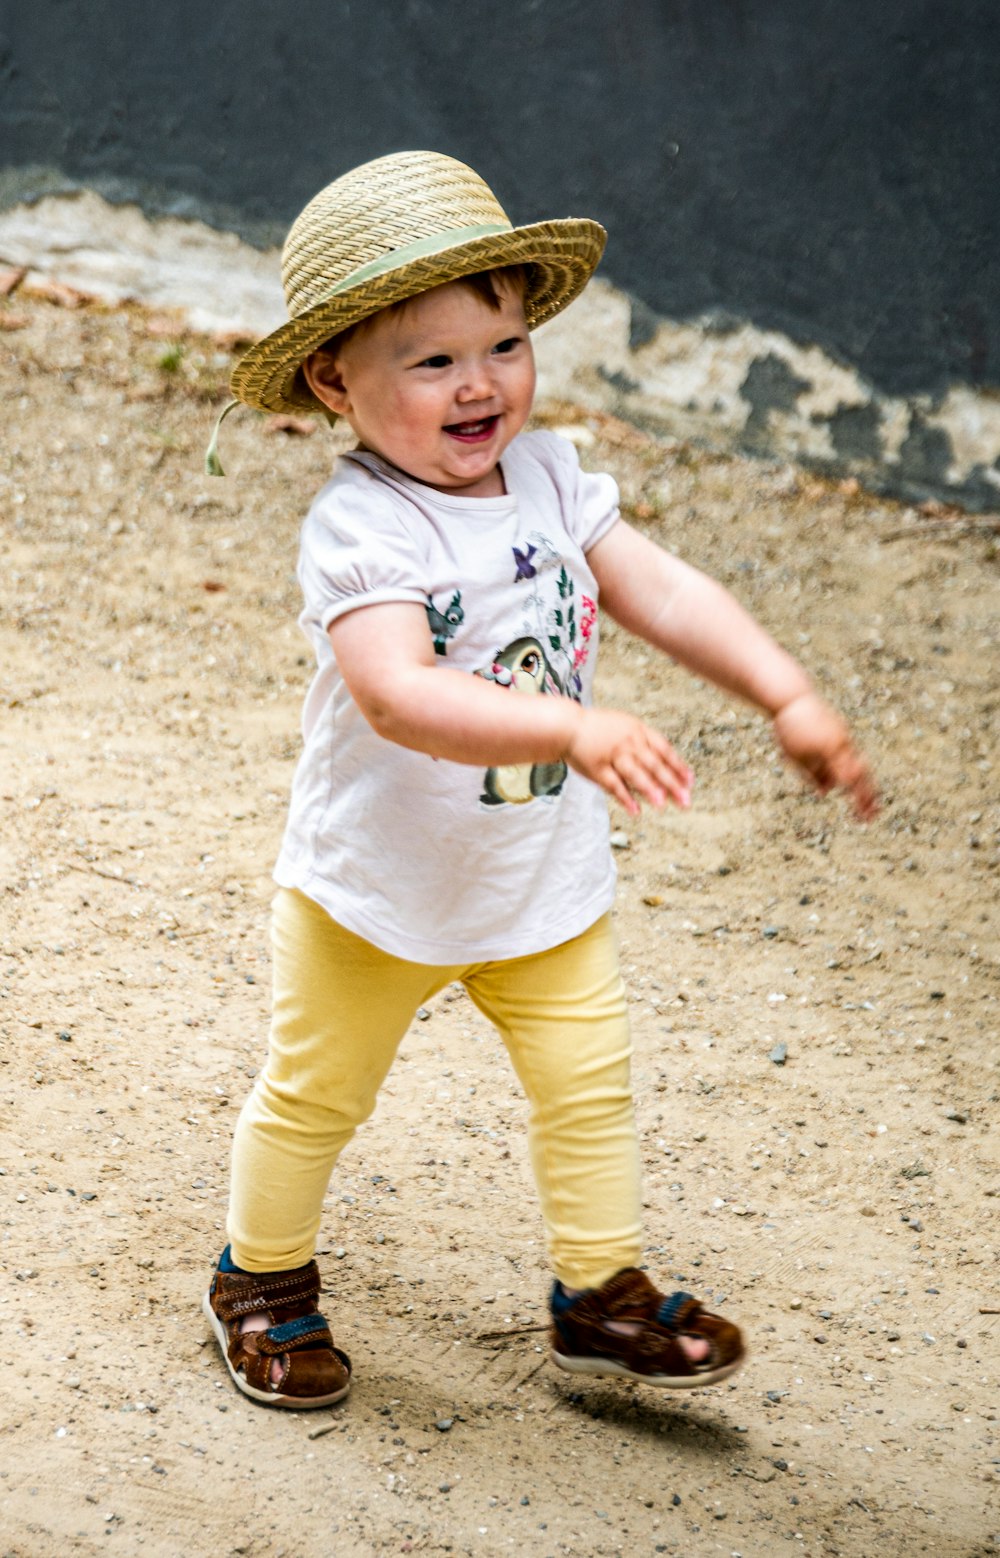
pixel 440 361
pixel 508 345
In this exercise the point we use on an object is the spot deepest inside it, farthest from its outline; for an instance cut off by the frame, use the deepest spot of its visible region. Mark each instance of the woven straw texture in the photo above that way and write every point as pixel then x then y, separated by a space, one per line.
pixel 409 201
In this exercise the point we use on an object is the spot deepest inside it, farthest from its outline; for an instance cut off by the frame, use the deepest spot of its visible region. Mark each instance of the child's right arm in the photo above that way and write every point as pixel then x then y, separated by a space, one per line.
pixel 387 659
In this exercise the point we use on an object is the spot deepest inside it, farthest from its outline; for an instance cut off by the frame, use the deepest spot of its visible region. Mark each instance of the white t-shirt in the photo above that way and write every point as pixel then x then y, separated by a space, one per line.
pixel 435 861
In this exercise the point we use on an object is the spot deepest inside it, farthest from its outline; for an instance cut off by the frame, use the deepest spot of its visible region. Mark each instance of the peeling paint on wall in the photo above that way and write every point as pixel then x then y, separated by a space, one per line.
pixel 720 380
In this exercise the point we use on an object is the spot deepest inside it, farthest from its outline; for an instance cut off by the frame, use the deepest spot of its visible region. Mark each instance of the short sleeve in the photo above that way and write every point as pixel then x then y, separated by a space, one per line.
pixel 359 548
pixel 589 499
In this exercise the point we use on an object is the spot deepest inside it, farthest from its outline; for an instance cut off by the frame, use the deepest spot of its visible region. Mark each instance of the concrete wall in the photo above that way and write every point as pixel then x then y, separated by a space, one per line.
pixel 804 196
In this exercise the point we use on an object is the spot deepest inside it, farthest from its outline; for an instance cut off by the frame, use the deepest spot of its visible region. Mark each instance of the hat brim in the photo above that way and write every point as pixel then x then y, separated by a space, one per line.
pixel 562 256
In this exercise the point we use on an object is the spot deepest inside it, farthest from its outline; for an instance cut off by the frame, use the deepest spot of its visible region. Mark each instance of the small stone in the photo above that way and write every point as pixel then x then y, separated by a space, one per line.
pixel 796 1303
pixel 339 1252
pixel 443 1424
pixel 959 1116
pixel 444 1487
pixel 423 1013
pixel 675 1500
pixel 780 1465
pixel 525 1499
pixel 66 1036
pixel 819 1337
pixel 779 1054
pixel 868 1211
pixel 73 1382
pixel 619 841
pixel 770 932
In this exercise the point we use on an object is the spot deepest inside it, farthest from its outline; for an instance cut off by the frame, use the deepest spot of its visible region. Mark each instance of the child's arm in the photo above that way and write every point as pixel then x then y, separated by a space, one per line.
pixel 698 623
pixel 387 659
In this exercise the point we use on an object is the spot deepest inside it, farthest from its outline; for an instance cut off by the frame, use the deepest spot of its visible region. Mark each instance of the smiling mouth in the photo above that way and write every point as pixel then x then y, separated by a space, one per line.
pixel 473 432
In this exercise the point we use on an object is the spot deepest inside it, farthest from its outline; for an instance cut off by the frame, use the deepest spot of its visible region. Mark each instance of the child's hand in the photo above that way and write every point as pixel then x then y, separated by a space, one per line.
pixel 628 759
pixel 819 743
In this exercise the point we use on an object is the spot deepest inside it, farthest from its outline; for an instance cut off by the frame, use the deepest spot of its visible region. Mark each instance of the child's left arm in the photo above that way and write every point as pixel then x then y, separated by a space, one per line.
pixel 696 621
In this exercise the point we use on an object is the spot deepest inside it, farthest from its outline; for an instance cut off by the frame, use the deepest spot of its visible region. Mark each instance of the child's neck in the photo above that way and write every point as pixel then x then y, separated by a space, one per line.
pixel 494 483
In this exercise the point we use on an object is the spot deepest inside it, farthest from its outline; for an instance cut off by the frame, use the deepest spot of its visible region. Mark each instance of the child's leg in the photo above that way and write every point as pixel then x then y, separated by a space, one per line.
pixel 341 1007
pixel 562 1015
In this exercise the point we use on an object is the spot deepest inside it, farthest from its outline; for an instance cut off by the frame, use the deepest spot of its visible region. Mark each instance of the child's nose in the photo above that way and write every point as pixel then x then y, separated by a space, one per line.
pixel 477 382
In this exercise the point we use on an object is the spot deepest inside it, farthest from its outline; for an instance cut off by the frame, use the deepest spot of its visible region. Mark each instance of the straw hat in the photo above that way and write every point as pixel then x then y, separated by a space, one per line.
pixel 386 231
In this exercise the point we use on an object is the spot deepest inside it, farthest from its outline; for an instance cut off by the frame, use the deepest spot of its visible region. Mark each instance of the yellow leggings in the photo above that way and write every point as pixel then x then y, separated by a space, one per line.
pixel 341 1007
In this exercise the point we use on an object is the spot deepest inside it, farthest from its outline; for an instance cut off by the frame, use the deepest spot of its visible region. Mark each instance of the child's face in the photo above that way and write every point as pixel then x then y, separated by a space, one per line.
pixel 438 388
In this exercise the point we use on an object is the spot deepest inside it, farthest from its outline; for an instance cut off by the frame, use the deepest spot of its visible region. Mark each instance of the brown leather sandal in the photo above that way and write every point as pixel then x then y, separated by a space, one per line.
pixel 584 1343
pixel 315 1373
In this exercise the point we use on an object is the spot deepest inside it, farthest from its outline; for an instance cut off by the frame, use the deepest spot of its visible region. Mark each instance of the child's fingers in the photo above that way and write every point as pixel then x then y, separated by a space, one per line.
pixel 668 768
pixel 845 770
pixel 616 787
pixel 854 777
pixel 655 776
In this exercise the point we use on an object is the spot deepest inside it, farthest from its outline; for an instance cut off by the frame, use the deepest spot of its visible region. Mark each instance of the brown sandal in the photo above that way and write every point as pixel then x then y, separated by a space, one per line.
pixel 315 1372
pixel 651 1352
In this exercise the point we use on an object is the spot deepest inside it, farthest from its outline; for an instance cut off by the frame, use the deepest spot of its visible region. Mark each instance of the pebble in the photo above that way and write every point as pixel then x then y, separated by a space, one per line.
pixel 443 1424
pixel 958 1115
pixel 339 1252
pixel 779 1054
pixel 619 841
pixel 422 1013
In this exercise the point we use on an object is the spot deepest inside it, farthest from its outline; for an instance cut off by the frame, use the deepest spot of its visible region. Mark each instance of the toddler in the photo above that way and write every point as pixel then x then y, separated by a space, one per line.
pixel 447 819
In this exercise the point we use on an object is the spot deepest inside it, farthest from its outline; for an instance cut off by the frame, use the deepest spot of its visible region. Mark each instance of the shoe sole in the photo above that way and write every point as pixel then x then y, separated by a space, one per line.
pixel 268 1398
pixel 606 1367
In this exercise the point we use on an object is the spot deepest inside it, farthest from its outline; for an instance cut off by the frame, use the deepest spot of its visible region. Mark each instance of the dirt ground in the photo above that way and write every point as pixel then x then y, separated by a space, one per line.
pixel 815 1014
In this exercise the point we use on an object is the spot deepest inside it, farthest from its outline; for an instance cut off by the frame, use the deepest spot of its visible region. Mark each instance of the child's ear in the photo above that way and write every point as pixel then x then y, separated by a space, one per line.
pixel 323 376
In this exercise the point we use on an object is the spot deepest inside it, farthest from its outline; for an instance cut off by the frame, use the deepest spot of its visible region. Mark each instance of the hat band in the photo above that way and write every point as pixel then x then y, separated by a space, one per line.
pixel 435 244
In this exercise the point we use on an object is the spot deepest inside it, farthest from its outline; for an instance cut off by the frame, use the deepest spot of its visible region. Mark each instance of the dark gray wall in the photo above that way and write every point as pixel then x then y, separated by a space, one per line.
pixel 828 168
